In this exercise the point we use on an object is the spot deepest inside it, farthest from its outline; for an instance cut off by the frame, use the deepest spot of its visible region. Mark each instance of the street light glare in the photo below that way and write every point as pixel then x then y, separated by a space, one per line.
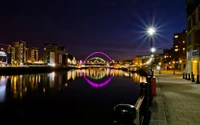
pixel 153 50
pixel 151 31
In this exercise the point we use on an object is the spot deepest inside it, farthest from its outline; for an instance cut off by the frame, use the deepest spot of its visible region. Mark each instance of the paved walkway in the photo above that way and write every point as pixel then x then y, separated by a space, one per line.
pixel 177 101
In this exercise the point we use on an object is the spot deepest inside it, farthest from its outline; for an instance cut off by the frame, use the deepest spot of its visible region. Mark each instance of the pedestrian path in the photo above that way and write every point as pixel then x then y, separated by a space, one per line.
pixel 179 99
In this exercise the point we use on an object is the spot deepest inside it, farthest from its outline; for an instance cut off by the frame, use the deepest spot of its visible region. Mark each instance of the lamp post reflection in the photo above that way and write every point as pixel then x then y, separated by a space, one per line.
pixel 2 88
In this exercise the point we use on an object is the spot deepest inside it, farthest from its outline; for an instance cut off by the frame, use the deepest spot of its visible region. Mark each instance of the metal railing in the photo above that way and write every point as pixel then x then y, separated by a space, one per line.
pixel 126 114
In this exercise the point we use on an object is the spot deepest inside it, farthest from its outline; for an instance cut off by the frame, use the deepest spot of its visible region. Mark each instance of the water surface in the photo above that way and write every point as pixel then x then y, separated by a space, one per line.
pixel 75 97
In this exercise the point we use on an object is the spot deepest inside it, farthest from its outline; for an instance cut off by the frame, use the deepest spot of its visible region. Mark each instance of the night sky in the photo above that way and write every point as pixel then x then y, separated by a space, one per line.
pixel 116 27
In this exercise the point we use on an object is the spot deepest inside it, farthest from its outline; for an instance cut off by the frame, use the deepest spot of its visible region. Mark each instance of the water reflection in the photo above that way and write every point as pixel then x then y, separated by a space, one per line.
pixel 2 88
pixel 17 86
pixel 97 85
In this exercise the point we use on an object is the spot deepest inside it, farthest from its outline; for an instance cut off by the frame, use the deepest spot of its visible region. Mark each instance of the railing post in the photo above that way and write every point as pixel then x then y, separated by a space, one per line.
pixel 149 81
pixel 189 76
pixel 197 82
pixel 144 109
pixel 125 114
pixel 193 77
pixel 183 75
pixel 186 76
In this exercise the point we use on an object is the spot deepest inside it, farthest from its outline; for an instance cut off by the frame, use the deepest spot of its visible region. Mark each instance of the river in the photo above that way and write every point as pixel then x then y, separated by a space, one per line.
pixel 74 97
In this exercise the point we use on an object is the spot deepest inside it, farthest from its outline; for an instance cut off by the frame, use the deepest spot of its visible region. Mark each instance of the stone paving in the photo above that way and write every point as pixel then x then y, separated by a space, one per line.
pixel 177 101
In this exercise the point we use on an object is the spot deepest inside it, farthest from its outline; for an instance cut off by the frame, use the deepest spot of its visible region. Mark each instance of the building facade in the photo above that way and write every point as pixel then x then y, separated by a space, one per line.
pixel 71 60
pixel 179 50
pixel 140 60
pixel 21 52
pixel 3 58
pixel 33 54
pixel 168 58
pixel 55 55
pixel 11 55
pixel 193 36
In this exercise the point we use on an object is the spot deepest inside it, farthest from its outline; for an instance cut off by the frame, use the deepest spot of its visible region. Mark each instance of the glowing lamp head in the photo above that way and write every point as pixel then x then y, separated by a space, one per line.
pixel 151 31
pixel 153 50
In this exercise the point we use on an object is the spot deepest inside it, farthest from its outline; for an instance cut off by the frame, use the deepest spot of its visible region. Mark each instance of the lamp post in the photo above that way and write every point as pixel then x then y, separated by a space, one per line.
pixel 151 31
pixel 160 67
pixel 174 67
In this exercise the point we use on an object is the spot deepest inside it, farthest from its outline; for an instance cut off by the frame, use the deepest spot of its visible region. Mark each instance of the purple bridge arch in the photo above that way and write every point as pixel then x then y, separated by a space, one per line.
pixel 102 53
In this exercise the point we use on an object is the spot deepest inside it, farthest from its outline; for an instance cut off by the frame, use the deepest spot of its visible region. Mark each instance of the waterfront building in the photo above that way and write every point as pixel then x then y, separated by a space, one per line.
pixel 71 60
pixel 21 52
pixel 11 55
pixel 3 58
pixel 33 54
pixel 140 60
pixel 193 36
pixel 130 62
pixel 55 55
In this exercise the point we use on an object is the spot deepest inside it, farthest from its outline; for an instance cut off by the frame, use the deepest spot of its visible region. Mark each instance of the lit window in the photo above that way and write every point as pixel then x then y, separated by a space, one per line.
pixel 175 50
pixel 176 46
pixel 176 36
pixel 183 41
pixel 183 48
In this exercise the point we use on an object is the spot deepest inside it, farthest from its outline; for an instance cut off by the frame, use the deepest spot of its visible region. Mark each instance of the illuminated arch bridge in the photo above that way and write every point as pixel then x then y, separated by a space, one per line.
pixel 95 53
pixel 96 58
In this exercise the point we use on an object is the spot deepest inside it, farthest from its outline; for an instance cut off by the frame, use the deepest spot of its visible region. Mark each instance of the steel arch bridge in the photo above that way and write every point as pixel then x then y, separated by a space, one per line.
pixel 93 58
pixel 94 53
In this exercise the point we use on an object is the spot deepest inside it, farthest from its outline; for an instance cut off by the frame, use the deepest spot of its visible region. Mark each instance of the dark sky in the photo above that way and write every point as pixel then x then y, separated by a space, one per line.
pixel 116 27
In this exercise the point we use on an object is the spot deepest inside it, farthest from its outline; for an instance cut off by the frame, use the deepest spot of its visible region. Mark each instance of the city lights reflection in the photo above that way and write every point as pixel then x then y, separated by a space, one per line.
pixel 2 88
pixel 19 85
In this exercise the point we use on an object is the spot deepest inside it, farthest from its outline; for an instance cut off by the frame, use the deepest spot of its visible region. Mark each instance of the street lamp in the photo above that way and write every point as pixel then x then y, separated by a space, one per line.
pixel 160 67
pixel 174 67
pixel 151 31
pixel 153 49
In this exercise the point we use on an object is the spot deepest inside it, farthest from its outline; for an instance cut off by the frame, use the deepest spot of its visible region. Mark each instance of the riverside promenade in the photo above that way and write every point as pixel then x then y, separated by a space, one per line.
pixel 177 100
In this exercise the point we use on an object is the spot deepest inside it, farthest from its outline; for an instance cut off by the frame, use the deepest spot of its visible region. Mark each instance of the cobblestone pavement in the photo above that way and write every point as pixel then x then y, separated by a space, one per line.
pixel 177 101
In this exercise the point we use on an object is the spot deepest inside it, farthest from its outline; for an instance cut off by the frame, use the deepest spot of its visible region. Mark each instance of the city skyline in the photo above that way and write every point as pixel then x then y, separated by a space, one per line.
pixel 114 27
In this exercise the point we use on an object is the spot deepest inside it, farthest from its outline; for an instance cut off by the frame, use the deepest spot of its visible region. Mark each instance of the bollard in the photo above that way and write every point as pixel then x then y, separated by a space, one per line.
pixel 189 76
pixel 197 82
pixel 183 75
pixel 124 114
pixel 186 76
pixel 144 109
pixel 148 79
pixel 193 78
pixel 153 84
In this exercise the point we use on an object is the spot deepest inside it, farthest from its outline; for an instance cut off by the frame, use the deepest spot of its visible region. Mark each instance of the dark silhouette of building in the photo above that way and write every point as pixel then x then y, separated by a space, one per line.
pixel 167 54
pixel 55 55
pixel 193 36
